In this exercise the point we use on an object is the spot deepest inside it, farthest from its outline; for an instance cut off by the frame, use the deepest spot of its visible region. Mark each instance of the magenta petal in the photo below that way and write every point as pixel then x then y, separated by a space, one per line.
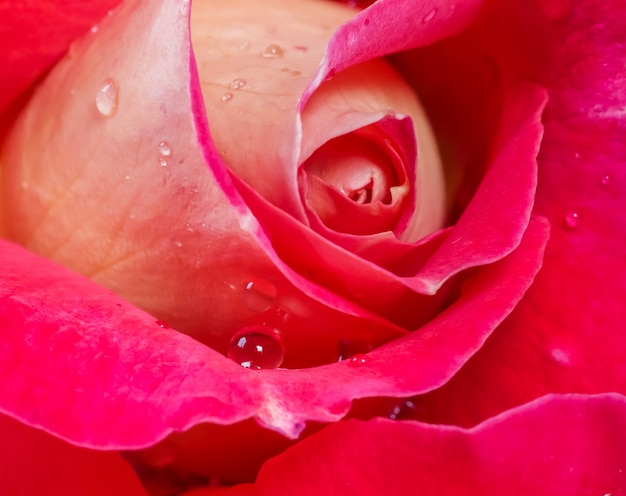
pixel 34 34
pixel 389 26
pixel 34 463
pixel 557 446
pixel 89 367
pixel 567 333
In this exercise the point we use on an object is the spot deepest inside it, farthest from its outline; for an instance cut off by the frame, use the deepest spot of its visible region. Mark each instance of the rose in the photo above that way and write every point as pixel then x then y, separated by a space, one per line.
pixel 557 355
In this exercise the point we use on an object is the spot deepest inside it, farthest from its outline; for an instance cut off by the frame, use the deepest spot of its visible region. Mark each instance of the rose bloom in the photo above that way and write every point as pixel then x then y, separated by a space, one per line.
pixel 305 247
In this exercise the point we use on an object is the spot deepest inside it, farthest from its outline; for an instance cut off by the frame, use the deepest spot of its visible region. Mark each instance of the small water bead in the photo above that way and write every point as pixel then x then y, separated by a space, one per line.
pixel 162 324
pixel 572 220
pixel 227 97
pixel 272 51
pixel 605 180
pixel 107 97
pixel 164 149
pixel 259 295
pixel 430 16
pixel 94 29
pixel 162 161
pixel 349 348
pixel 257 347
pixel 238 83
pixel 358 360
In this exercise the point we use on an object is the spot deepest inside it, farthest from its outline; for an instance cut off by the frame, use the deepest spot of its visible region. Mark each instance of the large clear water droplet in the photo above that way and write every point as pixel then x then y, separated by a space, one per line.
pixel 257 347
pixel 259 295
pixel 106 97
pixel 272 51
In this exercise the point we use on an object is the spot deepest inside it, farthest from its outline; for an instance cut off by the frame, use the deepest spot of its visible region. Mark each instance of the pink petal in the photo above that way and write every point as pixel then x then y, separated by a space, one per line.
pixel 565 336
pixel 35 463
pixel 93 369
pixel 555 446
pixel 35 34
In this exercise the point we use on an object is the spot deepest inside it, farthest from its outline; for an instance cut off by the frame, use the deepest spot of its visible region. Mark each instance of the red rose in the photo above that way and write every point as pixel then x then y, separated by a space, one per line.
pixel 277 263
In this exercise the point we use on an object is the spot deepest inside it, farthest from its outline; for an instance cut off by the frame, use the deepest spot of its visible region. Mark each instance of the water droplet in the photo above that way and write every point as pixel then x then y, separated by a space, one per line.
pixel 560 357
pixel 572 220
pixel 109 13
pixel 430 16
pixel 164 149
pixel 272 51
pixel 257 347
pixel 357 360
pixel 227 97
pixel 189 227
pixel 238 83
pixel 605 180
pixel 94 28
pixel 349 348
pixel 403 410
pixel 178 244
pixel 162 324
pixel 244 45
pixel 106 97
pixel 127 177
pixel 162 161
pixel 259 295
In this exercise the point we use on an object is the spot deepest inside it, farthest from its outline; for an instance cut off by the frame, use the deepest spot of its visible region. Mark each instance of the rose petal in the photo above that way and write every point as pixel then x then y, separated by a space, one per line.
pixel 565 336
pixel 51 26
pixel 93 369
pixel 576 448
pixel 35 463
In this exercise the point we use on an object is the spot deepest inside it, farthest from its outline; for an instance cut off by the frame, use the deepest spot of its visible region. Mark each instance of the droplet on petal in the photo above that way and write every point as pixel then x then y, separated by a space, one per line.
pixel 164 149
pixel 162 161
pixel 162 324
pixel 106 97
pixel 358 360
pixel 257 347
pixel 605 180
pixel 94 29
pixel 349 348
pixel 238 83
pixel 272 51
pixel 430 16
pixel 227 97
pixel 259 295
pixel 572 220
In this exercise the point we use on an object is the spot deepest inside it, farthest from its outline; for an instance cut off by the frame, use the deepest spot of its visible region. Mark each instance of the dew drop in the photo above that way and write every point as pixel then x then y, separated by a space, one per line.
pixel 106 97
pixel 403 410
pixel 349 348
pixel 164 149
pixel 257 347
pixel 244 45
pixel 430 16
pixel 94 28
pixel 572 220
pixel 259 295
pixel 162 324
pixel 357 360
pixel 127 177
pixel 605 180
pixel 238 83
pixel 227 97
pixel 178 244
pixel 162 161
pixel 272 51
